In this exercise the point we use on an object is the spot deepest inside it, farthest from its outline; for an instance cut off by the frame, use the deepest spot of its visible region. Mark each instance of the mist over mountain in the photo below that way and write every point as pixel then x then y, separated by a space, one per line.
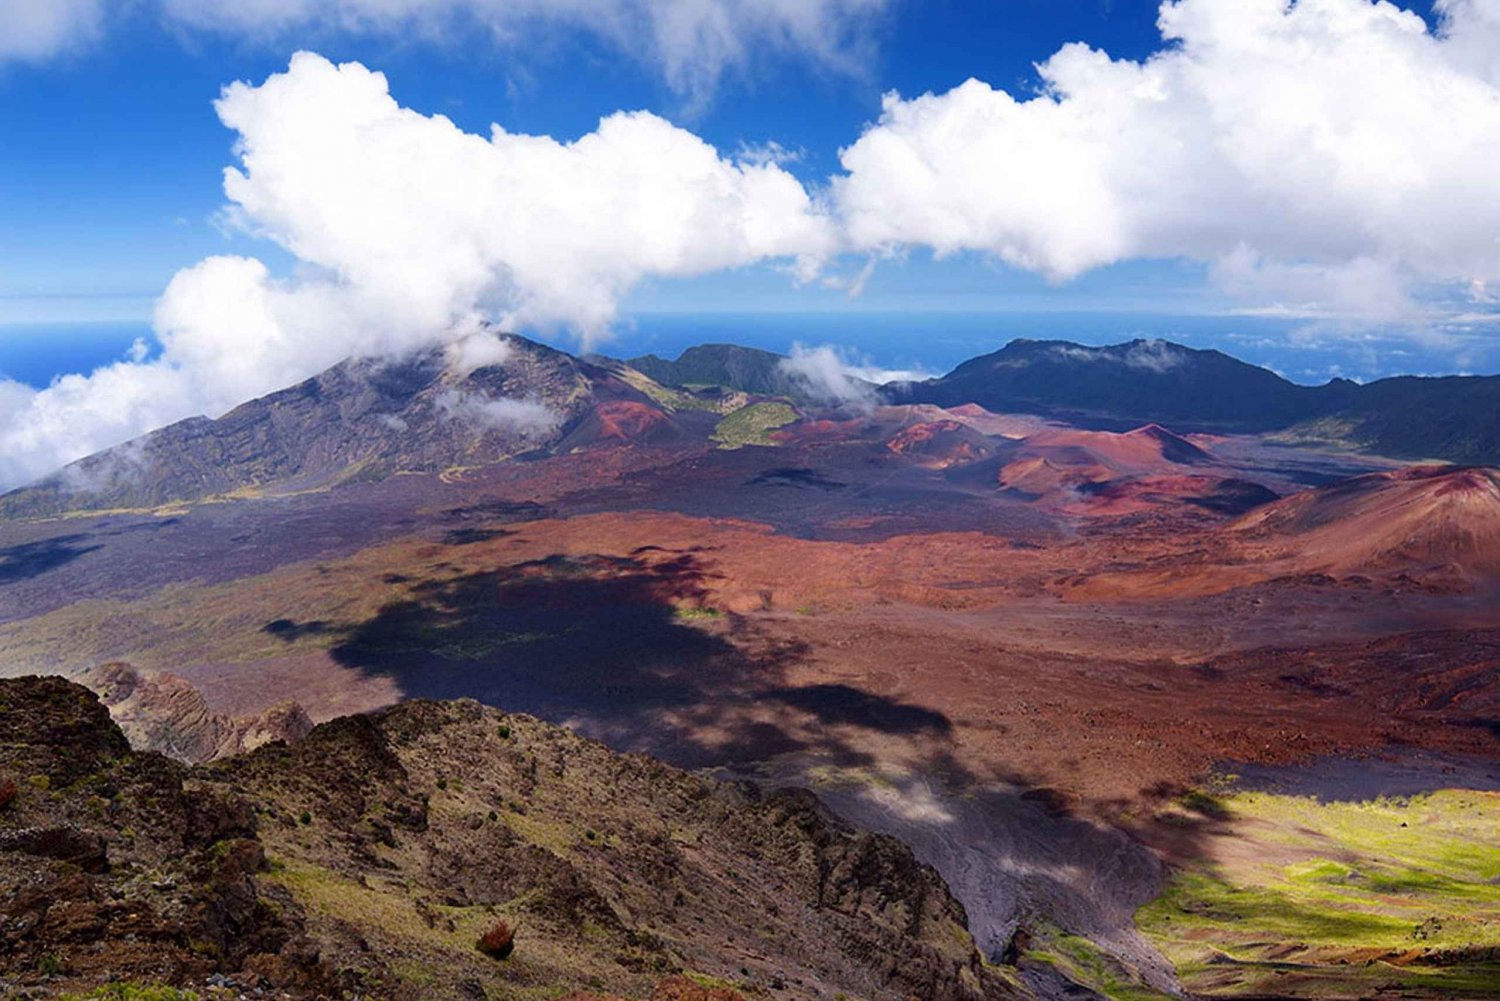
pixel 485 399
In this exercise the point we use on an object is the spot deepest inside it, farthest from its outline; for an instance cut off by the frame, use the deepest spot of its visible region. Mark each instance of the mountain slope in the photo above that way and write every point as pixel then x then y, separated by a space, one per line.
pixel 731 366
pixel 1140 382
pixel 361 418
pixel 1416 519
pixel 370 856
pixel 1453 418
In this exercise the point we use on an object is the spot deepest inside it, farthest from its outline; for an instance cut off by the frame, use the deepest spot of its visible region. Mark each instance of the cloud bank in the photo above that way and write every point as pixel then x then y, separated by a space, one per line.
pixel 1329 148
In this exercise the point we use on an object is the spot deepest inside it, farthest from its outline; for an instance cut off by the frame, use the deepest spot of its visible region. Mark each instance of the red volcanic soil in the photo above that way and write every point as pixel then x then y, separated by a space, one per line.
pixel 1130 496
pixel 1105 474
pixel 1151 448
pixel 1001 425
pixel 939 444
pixel 914 650
pixel 820 432
pixel 617 421
pixel 1422 518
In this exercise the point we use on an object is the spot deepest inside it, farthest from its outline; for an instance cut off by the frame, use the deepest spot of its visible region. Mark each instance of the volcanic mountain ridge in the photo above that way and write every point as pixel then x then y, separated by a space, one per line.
pixel 490 398
pixel 368 858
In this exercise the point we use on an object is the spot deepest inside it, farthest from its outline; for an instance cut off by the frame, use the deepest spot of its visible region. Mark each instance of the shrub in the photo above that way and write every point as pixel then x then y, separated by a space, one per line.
pixel 504 732
pixel 499 942
pixel 8 791
pixel 305 819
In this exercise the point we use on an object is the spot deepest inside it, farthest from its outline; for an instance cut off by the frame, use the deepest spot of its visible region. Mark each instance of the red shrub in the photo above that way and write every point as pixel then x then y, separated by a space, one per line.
pixel 8 792
pixel 499 941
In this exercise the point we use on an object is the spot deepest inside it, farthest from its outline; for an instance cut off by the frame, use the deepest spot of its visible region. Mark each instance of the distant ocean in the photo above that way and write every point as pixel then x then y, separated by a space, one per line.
pixel 933 342
pixel 35 353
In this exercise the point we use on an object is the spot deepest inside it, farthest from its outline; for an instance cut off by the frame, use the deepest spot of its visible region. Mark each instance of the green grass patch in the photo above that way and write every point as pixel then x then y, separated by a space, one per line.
pixel 753 425
pixel 1086 964
pixel 132 992
pixel 686 614
pixel 1311 899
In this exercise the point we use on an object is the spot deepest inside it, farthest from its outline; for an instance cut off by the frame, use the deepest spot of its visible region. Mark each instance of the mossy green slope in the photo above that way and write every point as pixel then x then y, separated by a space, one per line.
pixel 1303 898
pixel 753 425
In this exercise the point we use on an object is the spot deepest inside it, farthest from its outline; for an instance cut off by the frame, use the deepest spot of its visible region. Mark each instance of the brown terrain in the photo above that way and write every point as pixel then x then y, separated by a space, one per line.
pixel 367 860
pixel 1010 642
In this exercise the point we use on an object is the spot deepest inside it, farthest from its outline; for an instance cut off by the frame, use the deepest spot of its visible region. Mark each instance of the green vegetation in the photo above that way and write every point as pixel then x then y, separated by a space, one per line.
pixel 132 992
pixel 753 425
pixel 1084 963
pixel 712 983
pixel 1303 898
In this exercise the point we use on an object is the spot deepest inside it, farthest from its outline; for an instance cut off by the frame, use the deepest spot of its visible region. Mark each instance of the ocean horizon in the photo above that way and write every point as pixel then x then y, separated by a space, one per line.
pixel 931 342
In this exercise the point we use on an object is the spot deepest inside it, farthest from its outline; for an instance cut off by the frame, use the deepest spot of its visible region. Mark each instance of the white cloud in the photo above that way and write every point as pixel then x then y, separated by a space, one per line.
pixel 437 221
pixel 833 375
pixel 1149 355
pixel 478 350
pixel 525 416
pixel 1334 149
pixel 32 30
pixel 407 230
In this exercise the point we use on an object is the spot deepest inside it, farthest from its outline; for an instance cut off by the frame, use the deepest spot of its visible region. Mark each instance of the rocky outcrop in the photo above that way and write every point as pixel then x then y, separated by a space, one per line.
pixel 369 857
pixel 115 866
pixel 165 713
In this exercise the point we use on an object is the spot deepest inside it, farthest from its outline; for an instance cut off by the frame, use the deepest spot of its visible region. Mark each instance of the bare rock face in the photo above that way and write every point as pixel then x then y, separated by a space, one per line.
pixel 164 713
pixel 114 866
pixel 369 858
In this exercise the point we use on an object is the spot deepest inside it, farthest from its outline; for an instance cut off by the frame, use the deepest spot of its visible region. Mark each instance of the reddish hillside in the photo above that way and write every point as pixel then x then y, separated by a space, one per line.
pixel 1108 473
pixel 1423 517
pixel 940 444
pixel 1146 449
pixel 616 421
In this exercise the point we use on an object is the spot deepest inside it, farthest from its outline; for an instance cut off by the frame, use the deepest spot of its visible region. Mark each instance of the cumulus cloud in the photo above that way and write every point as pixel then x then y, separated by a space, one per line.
pixel 436 220
pixel 408 230
pixel 1328 149
pixel 32 30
